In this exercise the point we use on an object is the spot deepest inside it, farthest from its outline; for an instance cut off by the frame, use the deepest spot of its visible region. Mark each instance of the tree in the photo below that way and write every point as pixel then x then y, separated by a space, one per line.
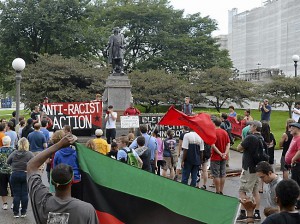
pixel 33 27
pixel 282 90
pixel 160 37
pixel 62 80
pixel 217 87
pixel 155 86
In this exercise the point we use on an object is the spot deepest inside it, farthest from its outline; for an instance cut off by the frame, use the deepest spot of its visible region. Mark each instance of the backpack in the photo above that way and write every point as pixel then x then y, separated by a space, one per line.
pixel 261 151
pixel 4 167
pixel 227 127
pixel 206 152
pixel 131 159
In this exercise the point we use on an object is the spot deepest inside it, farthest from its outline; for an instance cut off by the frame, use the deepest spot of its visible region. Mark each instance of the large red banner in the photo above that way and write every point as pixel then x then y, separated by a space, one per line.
pixel 79 115
pixel 237 126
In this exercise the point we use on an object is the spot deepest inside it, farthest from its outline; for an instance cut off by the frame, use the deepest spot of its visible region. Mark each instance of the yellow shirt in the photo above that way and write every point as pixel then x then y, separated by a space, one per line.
pixel 101 146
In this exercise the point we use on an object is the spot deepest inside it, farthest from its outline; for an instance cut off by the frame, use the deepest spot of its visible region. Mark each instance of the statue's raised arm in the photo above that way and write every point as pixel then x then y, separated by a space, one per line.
pixel 115 49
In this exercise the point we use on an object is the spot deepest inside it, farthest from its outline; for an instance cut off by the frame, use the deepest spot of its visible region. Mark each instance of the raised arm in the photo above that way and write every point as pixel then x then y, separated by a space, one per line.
pixel 34 164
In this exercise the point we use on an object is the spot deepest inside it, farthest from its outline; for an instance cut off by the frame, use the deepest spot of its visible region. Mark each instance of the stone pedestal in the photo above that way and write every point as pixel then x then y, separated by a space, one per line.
pixel 117 93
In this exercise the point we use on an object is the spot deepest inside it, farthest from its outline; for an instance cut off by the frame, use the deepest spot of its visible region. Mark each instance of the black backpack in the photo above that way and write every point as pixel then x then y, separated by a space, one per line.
pixel 206 152
pixel 261 151
pixel 227 128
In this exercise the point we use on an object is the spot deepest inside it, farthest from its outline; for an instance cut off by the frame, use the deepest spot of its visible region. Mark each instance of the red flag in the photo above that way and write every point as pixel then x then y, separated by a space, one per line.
pixel 200 123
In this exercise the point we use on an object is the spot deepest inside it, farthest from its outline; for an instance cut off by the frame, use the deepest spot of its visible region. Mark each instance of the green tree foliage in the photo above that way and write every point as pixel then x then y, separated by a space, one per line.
pixel 154 86
pixel 282 90
pixel 36 27
pixel 160 37
pixel 62 80
pixel 216 86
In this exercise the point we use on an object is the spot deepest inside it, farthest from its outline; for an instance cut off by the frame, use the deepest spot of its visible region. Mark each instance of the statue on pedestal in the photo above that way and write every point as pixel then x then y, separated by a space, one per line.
pixel 115 50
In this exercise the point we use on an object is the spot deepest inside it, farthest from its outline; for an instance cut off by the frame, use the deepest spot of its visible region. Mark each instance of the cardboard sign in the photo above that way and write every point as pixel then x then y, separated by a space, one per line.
pixel 79 115
pixel 129 121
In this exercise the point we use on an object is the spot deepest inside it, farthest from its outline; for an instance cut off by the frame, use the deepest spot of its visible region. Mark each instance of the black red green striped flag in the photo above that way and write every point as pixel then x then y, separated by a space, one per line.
pixel 124 194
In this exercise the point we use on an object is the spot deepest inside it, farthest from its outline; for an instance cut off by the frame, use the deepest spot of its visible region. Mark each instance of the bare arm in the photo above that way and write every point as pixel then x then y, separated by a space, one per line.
pixel 283 139
pixel 240 148
pixel 113 117
pixel 214 147
pixel 34 164
pixel 179 147
pixel 296 157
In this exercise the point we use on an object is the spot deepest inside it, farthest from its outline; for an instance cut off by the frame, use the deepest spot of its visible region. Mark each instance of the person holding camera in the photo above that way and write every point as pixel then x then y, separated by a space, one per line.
pixel 265 109
pixel 110 119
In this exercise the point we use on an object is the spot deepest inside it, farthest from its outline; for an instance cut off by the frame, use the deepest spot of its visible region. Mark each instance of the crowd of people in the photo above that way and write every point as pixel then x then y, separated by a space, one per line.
pixel 26 147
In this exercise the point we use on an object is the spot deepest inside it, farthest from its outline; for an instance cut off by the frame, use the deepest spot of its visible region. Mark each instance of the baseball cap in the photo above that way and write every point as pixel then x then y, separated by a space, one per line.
pixel 296 124
pixel 255 123
pixel 98 132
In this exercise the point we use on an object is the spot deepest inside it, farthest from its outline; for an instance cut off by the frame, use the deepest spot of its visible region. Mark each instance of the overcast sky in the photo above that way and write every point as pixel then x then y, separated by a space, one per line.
pixel 216 9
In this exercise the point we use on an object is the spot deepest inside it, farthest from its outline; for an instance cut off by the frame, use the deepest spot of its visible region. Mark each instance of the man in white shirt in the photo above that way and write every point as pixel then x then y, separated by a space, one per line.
pixel 296 112
pixel 110 119
pixel 192 146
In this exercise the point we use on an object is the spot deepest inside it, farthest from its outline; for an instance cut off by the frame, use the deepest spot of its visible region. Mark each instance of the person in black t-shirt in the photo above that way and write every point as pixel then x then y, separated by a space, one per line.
pixel 249 181
pixel 287 193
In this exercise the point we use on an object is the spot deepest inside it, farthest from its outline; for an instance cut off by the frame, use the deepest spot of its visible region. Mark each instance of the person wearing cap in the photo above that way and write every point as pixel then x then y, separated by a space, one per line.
pixel 249 181
pixel 61 207
pixel 110 119
pixel 101 144
pixel 292 156
pixel 265 109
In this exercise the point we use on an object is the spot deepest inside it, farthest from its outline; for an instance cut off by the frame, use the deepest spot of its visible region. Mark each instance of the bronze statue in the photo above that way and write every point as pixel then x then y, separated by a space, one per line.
pixel 115 50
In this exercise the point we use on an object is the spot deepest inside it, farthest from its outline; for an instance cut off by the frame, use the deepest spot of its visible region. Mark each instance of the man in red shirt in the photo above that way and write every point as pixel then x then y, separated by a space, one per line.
pixel 131 110
pixel 292 156
pixel 219 156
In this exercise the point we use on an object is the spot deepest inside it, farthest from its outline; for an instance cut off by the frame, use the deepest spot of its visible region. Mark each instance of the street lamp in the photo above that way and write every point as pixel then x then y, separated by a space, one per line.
pixel 295 59
pixel 18 65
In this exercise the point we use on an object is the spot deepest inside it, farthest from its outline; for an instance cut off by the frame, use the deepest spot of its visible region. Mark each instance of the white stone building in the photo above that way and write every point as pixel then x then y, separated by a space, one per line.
pixel 266 37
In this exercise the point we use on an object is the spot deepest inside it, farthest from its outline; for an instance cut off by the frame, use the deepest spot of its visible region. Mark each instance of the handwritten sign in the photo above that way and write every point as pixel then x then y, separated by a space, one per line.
pixel 129 121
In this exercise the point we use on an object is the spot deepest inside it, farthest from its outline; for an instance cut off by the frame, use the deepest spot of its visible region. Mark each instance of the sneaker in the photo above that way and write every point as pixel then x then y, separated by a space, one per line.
pixel 242 217
pixel 16 216
pixel 256 216
pixel 12 206
pixel 4 206
pixel 203 187
pixel 23 215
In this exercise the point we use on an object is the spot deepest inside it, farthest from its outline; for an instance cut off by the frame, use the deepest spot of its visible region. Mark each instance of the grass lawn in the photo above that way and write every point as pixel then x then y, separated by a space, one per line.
pixel 7 114
pixel 278 120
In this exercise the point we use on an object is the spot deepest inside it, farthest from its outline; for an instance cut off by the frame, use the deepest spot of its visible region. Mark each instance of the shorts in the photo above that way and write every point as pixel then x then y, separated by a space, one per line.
pixel 282 164
pixel 248 182
pixel 178 165
pixel 218 168
pixel 168 164
pixel 4 181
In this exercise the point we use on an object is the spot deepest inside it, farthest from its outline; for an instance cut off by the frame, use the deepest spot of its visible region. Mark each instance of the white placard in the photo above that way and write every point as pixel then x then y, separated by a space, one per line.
pixel 129 121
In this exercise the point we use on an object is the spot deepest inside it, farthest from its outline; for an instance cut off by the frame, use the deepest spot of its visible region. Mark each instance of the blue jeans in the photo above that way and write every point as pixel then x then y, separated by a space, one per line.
pixel 19 188
pixel 188 170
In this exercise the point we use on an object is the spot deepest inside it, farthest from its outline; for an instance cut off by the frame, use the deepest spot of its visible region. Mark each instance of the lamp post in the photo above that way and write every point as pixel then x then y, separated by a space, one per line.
pixel 18 65
pixel 295 59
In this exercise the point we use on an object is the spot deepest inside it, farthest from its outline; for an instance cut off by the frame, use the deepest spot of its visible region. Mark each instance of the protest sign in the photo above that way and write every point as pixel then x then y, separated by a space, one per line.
pixel 129 121
pixel 79 115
